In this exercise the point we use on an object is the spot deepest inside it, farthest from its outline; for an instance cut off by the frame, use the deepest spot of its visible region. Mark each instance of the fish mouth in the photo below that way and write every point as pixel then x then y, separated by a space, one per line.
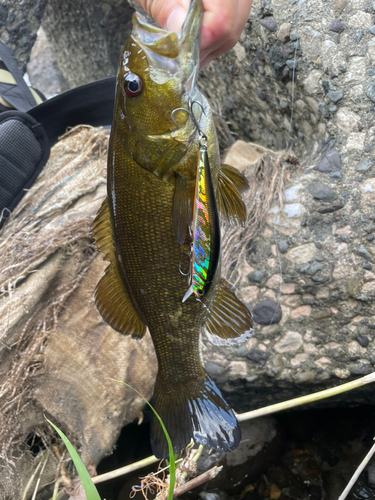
pixel 170 54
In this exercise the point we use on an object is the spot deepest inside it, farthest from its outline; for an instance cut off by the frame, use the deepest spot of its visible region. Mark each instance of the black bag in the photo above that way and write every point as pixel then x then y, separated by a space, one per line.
pixel 30 125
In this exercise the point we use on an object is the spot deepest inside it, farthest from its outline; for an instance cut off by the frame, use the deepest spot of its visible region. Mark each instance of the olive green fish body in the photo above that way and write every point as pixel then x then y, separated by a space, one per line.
pixel 145 229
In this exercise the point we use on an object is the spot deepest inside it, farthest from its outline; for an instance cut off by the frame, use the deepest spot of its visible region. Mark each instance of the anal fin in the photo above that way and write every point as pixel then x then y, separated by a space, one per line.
pixel 111 298
pixel 229 321
pixel 230 204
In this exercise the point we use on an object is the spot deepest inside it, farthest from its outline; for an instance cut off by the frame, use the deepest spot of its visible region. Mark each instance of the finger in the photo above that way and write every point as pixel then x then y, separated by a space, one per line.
pixel 169 14
pixel 243 11
pixel 218 23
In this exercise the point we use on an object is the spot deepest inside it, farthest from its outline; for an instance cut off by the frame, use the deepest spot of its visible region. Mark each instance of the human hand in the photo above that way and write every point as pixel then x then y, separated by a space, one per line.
pixel 223 22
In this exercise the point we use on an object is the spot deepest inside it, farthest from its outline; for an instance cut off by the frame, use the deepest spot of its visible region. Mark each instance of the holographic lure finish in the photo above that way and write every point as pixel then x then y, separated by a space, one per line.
pixel 206 229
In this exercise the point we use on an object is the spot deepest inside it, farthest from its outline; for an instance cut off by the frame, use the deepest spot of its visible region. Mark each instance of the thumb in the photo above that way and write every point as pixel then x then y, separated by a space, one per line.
pixel 169 14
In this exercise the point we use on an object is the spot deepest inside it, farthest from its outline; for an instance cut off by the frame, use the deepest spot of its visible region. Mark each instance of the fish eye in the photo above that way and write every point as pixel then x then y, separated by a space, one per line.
pixel 132 85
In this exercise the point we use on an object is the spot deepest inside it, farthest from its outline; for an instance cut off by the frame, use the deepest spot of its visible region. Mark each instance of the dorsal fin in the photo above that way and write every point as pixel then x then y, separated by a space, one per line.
pixel 230 204
pixel 111 298
pixel 229 321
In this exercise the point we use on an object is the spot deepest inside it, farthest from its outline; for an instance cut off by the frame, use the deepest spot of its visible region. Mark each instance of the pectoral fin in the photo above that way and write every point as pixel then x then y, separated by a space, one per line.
pixel 230 321
pixel 231 184
pixel 182 211
pixel 111 298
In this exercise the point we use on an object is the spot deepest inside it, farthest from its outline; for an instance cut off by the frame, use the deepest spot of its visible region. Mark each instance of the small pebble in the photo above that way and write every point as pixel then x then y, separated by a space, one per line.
pixel 371 72
pixel 293 35
pixel 370 237
pixel 344 238
pixel 282 246
pixel 336 26
pixel 371 30
pixel 269 23
pixel 367 266
pixel 363 340
pixel 318 245
pixel 256 276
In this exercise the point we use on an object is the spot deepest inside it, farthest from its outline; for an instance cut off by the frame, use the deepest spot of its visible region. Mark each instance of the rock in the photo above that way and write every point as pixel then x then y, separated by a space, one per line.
pixel 262 96
pixel 371 30
pixel 346 119
pixel 335 95
pixel 323 108
pixel 257 356
pixel 256 276
pixel 363 252
pixel 213 495
pixel 321 192
pixel 283 33
pixel 367 266
pixel 301 254
pixel 315 267
pixel 371 72
pixel 363 340
pixel 293 35
pixel 370 91
pixel 330 162
pixel 330 209
pixel 336 26
pixel 358 35
pixel 282 246
pixel 267 312
pixel 291 63
pixel 290 342
pixel 364 165
pixel 269 23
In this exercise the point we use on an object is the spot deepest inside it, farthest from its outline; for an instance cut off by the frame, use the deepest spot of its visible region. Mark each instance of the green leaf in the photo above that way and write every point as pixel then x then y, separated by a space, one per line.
pixel 172 457
pixel 89 487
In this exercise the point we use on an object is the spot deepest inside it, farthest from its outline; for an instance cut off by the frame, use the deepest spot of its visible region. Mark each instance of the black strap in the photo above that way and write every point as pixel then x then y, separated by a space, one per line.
pixel 90 104
pixel 25 99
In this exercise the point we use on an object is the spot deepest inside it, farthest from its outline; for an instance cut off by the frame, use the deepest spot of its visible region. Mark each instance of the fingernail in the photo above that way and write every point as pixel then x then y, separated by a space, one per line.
pixel 176 19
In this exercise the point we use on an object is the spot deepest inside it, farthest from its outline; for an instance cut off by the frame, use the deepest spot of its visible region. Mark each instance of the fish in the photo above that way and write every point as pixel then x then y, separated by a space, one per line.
pixel 159 228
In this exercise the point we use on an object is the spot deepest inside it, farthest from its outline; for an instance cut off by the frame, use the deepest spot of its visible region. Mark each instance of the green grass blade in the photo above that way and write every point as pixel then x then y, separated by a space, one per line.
pixel 172 457
pixel 89 487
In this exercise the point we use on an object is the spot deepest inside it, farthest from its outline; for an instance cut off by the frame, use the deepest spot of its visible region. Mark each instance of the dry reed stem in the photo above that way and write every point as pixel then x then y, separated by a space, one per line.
pixel 267 178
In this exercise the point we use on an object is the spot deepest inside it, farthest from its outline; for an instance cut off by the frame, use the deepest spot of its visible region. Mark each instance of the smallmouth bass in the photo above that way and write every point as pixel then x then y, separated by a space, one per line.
pixel 159 223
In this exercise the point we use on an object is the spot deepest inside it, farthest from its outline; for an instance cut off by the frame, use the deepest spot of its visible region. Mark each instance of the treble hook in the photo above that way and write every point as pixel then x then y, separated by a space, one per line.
pixel 202 136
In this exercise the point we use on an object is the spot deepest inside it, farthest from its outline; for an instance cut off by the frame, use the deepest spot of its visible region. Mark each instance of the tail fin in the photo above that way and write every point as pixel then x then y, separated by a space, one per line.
pixel 198 412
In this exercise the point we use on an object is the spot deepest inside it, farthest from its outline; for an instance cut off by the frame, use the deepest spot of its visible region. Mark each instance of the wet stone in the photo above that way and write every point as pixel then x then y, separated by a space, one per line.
pixel 321 192
pixel 365 165
pixel 269 23
pixel 370 91
pixel 363 252
pixel 323 108
pixel 367 266
pixel 282 246
pixel 335 95
pixel 257 356
pixel 267 312
pixel 336 26
pixel 256 276
pixel 330 162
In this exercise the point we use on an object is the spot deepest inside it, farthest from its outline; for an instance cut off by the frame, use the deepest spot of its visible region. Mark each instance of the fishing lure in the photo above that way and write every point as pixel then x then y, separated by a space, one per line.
pixel 206 227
